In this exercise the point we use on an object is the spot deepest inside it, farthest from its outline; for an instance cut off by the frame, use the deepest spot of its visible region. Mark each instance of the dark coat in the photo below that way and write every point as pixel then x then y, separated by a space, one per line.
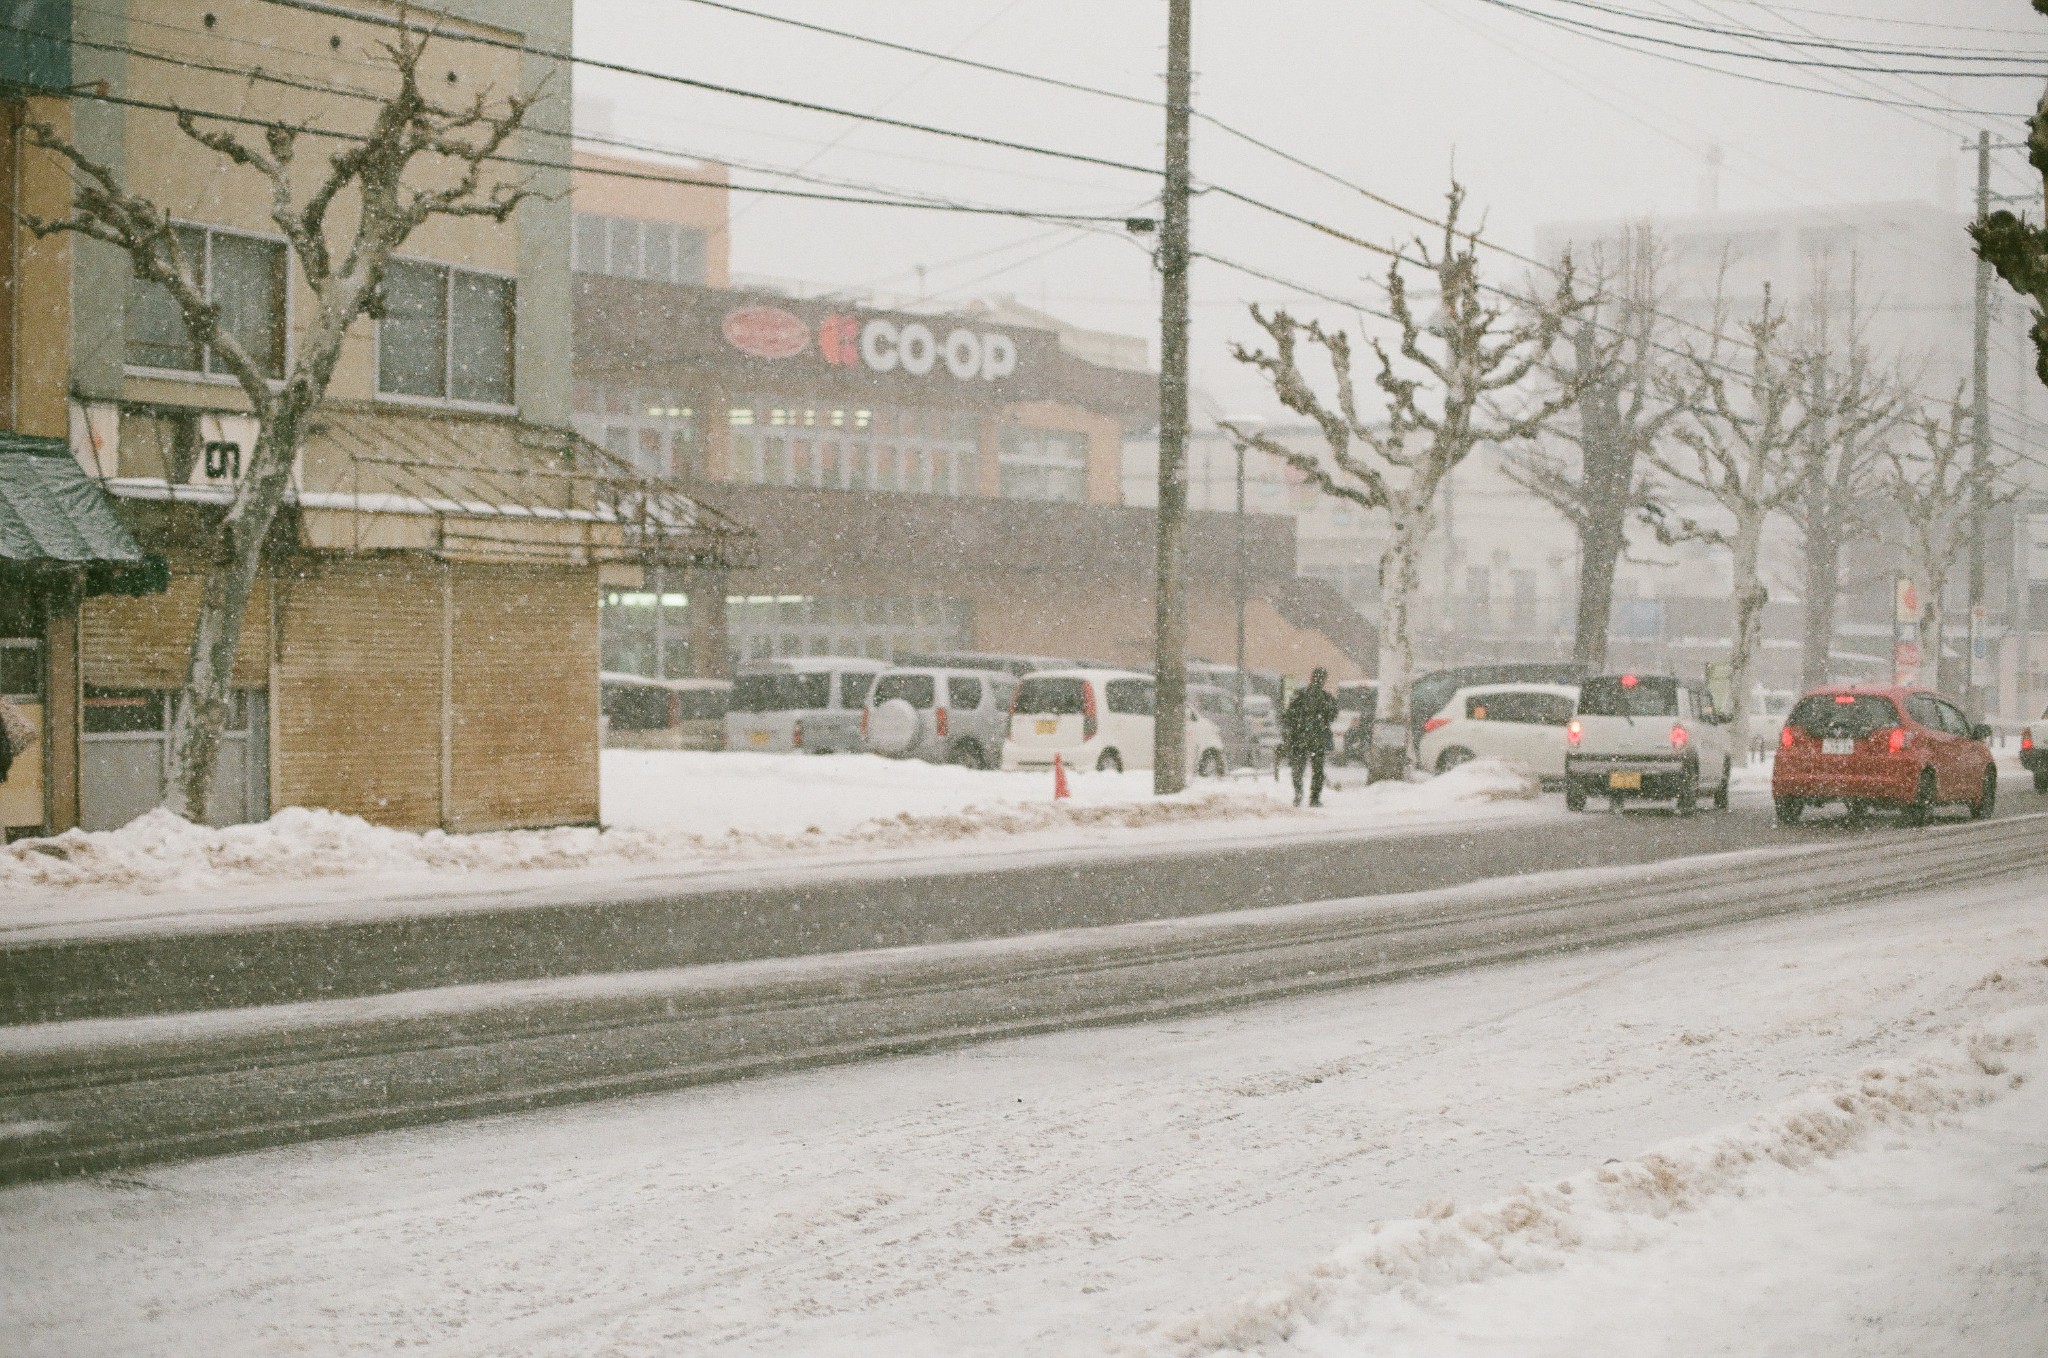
pixel 1305 726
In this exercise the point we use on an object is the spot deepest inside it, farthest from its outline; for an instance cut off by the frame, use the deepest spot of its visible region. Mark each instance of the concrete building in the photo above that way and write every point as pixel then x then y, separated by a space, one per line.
pixel 919 480
pixel 443 518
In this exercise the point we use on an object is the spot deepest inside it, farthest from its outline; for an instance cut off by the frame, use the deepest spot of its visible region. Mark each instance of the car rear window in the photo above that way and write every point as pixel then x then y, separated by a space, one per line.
pixel 1533 709
pixel 854 686
pixel 1050 697
pixel 636 707
pixel 701 704
pixel 1131 697
pixel 1357 699
pixel 1612 696
pixel 1844 714
pixel 782 692
pixel 915 689
pixel 962 692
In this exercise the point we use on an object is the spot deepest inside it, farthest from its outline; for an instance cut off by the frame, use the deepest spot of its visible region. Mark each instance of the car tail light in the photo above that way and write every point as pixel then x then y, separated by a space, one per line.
pixel 1574 733
pixel 1628 681
pixel 1895 739
pixel 796 733
pixel 1678 737
pixel 939 720
pixel 1785 738
pixel 863 723
pixel 2027 738
pixel 1087 710
pixel 1435 723
pixel 1015 694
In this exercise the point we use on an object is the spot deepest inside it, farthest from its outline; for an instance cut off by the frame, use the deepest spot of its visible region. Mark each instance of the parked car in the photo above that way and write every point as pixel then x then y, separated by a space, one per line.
pixel 1428 694
pixel 639 713
pixel 1358 703
pixel 1648 737
pixel 1519 724
pixel 1240 736
pixel 939 715
pixel 1015 665
pixel 1264 717
pixel 1097 719
pixel 2033 758
pixel 1904 748
pixel 813 703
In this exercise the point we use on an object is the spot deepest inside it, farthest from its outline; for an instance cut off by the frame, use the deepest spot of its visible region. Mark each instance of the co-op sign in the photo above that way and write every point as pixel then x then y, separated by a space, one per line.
pixel 880 345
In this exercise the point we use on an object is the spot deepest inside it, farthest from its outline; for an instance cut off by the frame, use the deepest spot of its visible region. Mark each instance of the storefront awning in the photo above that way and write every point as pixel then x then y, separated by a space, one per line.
pixel 498 489
pixel 54 520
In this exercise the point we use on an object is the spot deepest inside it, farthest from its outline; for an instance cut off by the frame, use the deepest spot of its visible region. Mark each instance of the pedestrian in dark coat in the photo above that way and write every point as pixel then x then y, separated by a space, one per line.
pixel 1305 733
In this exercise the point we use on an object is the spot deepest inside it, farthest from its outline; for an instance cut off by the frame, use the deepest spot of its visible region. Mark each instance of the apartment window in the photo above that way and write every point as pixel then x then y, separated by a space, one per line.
pixel 1044 464
pixel 243 275
pixel 624 247
pixel 446 334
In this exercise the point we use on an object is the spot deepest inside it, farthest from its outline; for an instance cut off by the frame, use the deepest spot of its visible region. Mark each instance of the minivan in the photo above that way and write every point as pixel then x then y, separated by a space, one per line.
pixel 640 713
pixel 1097 719
pixel 803 704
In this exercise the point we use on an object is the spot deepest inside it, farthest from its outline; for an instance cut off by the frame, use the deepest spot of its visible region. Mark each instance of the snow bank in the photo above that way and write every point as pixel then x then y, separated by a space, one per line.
pixel 677 808
pixel 1621 1206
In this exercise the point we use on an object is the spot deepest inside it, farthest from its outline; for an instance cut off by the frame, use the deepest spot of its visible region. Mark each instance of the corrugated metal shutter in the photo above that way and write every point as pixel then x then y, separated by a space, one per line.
pixel 524 740
pixel 359 691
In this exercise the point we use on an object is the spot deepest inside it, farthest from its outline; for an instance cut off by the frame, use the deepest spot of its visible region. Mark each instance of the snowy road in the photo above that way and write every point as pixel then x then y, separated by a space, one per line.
pixel 1134 1187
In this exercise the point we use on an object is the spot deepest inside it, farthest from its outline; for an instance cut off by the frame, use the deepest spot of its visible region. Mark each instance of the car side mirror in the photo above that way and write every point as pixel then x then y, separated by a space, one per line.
pixel 1981 731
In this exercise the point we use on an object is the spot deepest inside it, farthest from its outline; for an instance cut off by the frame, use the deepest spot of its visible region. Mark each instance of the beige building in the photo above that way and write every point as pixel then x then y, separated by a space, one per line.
pixel 422 648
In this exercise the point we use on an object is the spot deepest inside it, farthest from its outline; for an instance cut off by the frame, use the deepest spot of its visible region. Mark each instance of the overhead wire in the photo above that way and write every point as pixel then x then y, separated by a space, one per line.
pixel 1812 40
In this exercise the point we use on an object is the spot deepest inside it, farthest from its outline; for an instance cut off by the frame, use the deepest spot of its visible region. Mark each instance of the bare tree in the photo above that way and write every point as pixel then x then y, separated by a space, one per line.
pixel 1741 433
pixel 2016 247
pixel 341 234
pixel 1440 405
pixel 1617 345
pixel 1933 491
pixel 1856 407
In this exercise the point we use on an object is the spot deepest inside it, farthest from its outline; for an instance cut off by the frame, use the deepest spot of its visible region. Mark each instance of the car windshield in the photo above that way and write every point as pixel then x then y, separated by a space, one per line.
pixel 1844 714
pixel 1628 695
pixel 1042 697
pixel 781 692
pixel 915 689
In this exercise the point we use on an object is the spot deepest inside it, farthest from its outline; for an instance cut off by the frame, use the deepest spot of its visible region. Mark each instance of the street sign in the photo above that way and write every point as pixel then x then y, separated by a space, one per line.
pixel 1905 632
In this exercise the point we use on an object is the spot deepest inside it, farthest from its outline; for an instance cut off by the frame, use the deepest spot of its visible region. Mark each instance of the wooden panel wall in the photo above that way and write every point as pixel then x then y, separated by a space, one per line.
pixel 524 743
pixel 358 693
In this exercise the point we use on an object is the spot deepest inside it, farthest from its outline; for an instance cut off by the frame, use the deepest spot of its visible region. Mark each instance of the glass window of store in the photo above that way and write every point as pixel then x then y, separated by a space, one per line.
pixel 623 247
pixel 1044 464
pixel 653 428
pixel 911 450
pixel 763 627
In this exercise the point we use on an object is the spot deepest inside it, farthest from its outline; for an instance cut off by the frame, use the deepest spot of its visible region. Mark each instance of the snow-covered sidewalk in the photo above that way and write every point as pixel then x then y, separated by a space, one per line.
pixel 678 811
pixel 1822 1136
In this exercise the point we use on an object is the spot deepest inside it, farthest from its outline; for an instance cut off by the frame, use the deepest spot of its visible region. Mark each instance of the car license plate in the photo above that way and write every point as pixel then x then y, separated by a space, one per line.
pixel 1632 782
pixel 1838 745
pixel 1049 728
pixel 759 737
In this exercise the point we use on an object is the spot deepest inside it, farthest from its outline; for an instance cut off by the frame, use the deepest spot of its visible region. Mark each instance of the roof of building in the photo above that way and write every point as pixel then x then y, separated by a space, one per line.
pixel 53 517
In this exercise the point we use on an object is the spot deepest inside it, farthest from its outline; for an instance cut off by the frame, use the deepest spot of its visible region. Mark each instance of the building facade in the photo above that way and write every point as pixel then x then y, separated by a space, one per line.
pixel 918 480
pixel 422 646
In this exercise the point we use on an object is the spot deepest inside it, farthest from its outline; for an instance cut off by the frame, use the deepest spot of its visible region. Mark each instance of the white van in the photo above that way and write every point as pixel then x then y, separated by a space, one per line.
pixel 1097 719
pixel 803 704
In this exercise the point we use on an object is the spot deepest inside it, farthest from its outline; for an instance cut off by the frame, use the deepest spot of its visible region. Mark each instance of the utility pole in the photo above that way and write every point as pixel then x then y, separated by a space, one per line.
pixel 1980 453
pixel 1241 582
pixel 1170 656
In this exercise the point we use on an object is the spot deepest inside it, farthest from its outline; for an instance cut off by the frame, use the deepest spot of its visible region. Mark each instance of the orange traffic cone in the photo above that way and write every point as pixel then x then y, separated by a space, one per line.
pixel 1059 779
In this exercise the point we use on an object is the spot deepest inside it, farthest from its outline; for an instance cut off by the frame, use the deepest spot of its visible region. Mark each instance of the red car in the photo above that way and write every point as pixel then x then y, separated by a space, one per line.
pixel 1904 748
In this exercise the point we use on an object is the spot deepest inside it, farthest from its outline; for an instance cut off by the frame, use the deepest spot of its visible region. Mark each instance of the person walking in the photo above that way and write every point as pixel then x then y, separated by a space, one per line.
pixel 1305 732
pixel 17 736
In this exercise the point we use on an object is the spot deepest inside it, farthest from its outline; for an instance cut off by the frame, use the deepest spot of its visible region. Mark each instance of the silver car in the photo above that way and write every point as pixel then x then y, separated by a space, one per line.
pixel 811 704
pixel 940 715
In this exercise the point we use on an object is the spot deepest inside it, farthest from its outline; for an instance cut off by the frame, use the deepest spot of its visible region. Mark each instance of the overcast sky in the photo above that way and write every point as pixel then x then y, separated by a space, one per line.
pixel 1541 125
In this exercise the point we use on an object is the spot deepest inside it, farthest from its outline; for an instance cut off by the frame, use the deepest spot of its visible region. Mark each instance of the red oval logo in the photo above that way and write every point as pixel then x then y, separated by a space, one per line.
pixel 766 332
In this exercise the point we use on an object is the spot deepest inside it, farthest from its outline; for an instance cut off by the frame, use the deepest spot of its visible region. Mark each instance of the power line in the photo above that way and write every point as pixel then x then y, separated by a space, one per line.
pixel 530 162
pixel 1751 76
pixel 1804 63
pixel 925 52
pixel 712 87
pixel 1883 19
pixel 1813 41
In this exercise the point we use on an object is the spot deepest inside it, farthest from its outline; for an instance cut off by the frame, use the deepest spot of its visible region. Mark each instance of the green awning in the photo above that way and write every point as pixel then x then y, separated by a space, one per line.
pixel 54 518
